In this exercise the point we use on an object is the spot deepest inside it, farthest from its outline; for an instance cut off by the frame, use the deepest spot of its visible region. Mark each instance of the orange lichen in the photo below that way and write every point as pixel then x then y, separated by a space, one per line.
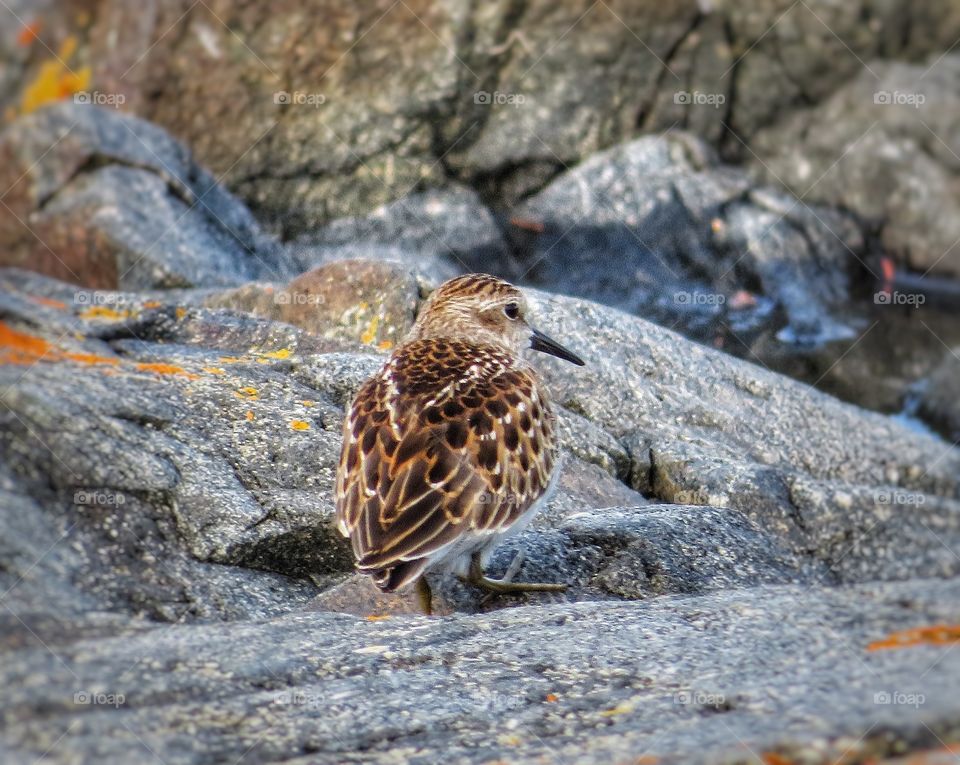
pixel 936 634
pixel 283 353
pixel 166 369
pixel 552 698
pixel 371 332
pixel 18 347
pixel 55 80
pixel 180 312
pixel 308 403
pixel 152 304
pixel 103 312
pixel 90 358
pixel 22 348
pixel 772 758
pixel 29 33
pixel 377 617
pixel 214 371
pixel 230 360
pixel 300 425
pixel 623 708
pixel 248 393
pixel 250 415
pixel 385 345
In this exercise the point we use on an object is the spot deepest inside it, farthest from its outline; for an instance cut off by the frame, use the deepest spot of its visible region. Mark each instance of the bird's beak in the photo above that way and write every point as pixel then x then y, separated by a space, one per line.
pixel 540 342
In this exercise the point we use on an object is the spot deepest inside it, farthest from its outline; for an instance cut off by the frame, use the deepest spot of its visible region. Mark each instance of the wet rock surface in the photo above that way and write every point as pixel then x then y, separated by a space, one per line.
pixel 939 397
pixel 658 227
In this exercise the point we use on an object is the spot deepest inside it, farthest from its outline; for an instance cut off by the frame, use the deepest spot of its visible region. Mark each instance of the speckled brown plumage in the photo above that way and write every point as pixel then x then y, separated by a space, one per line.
pixel 448 448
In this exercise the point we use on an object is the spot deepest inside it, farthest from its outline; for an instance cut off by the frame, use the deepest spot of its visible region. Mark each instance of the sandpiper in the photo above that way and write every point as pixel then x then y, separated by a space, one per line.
pixel 450 447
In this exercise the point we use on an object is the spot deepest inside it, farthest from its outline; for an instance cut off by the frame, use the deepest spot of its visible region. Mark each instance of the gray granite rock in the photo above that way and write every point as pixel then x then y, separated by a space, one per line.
pixel 104 199
pixel 169 468
pixel 724 677
pixel 659 227
pixel 315 121
pixel 884 147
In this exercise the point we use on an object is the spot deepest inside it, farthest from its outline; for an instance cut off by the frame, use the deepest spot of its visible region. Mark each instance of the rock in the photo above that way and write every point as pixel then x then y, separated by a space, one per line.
pixel 678 679
pixel 318 121
pixel 223 430
pixel 106 200
pixel 884 147
pixel 939 400
pixel 740 437
pixel 167 462
pixel 438 234
pixel 658 227
pixel 354 302
pixel 211 453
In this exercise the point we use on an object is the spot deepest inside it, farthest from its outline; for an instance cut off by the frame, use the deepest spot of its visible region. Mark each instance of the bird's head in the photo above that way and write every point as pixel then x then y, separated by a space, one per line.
pixel 485 309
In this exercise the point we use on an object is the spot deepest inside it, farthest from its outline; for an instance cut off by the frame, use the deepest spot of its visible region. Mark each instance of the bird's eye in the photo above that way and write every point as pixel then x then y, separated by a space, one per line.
pixel 511 311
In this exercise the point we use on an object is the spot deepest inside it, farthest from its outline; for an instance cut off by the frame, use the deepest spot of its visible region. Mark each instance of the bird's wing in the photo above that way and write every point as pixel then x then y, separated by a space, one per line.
pixel 415 476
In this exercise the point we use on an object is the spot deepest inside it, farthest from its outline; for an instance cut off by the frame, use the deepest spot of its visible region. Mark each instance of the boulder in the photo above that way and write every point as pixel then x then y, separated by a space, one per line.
pixel 107 200
pixel 660 227
pixel 323 111
pixel 170 566
pixel 884 147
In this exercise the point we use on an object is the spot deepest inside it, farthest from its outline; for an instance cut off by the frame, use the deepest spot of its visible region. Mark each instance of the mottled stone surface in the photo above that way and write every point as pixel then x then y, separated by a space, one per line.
pixel 718 526
pixel 325 109
pixel 783 672
pixel 107 200
pixel 885 147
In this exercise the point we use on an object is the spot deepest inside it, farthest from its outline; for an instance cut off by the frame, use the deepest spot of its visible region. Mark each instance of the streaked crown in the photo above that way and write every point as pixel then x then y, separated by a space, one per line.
pixel 479 306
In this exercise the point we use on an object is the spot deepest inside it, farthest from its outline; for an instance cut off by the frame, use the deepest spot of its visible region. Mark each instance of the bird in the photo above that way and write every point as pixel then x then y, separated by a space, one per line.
pixel 450 447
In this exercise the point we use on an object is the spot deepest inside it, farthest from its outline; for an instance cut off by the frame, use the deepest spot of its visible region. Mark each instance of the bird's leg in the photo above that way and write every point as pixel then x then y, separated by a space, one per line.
pixel 478 579
pixel 424 595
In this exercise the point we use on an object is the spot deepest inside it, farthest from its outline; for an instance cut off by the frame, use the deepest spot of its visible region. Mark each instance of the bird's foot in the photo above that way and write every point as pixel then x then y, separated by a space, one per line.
pixel 478 579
